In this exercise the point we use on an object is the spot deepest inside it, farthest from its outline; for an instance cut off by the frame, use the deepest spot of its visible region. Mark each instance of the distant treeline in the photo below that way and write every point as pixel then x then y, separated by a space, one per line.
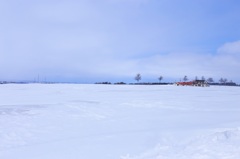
pixel 6 82
pixel 123 83
pixel 209 81
pixel 163 83
pixel 224 84
pixel 143 83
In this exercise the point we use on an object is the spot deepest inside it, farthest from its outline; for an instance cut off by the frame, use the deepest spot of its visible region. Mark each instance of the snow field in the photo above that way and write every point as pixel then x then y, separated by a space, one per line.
pixel 74 121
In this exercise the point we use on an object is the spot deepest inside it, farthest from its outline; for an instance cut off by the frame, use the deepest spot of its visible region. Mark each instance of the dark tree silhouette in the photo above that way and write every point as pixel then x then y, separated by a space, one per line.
pixel 210 80
pixel 138 77
pixel 160 78
pixel 185 78
pixel 223 80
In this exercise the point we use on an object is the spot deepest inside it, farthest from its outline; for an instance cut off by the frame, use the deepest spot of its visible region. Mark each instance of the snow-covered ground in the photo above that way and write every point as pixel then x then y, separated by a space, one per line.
pixel 71 121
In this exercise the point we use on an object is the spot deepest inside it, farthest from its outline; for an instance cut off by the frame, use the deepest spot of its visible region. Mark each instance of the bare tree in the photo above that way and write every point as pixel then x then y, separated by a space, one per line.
pixel 185 78
pixel 203 78
pixel 196 78
pixel 210 80
pixel 138 77
pixel 221 80
pixel 160 78
pixel 225 80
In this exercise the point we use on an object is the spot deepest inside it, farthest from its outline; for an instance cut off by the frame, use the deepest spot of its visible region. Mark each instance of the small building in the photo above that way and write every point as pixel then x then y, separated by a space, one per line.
pixel 198 83
pixel 184 83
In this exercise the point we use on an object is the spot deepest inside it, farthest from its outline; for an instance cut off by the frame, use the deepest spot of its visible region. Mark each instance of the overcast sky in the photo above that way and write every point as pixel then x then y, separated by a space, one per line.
pixel 113 40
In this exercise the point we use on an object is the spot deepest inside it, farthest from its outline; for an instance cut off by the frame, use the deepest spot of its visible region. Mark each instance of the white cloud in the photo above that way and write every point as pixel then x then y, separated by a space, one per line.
pixel 231 48
pixel 224 63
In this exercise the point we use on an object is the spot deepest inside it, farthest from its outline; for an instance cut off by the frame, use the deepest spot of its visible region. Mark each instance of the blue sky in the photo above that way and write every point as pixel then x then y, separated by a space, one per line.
pixel 113 40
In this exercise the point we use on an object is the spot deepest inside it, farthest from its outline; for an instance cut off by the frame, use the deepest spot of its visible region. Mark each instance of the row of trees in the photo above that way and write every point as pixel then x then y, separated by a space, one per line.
pixel 209 80
pixel 138 77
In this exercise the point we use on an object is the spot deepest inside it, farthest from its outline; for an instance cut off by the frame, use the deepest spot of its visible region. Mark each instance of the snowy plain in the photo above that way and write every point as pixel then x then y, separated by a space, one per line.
pixel 77 121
